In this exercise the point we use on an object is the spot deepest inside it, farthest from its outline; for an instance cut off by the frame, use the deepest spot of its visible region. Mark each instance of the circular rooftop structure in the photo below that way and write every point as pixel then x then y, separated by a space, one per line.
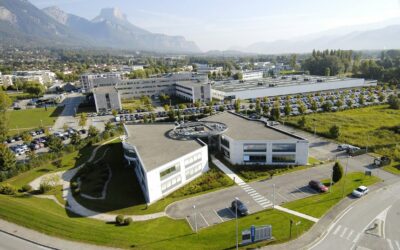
pixel 199 129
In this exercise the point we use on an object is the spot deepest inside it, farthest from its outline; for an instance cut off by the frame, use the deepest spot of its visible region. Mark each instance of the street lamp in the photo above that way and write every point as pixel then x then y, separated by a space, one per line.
pixel 273 197
pixel 345 174
pixel 195 217
pixel 237 237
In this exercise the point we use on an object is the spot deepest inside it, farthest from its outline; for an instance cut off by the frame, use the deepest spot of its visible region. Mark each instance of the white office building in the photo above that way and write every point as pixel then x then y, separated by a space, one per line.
pixel 253 142
pixel 252 75
pixel 95 80
pixel 162 164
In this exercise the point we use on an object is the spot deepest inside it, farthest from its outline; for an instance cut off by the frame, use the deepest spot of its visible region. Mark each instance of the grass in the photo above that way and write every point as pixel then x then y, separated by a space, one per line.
pixel 26 119
pixel 128 198
pixel 135 104
pixel 251 173
pixel 313 161
pixel 45 216
pixel 318 205
pixel 369 126
pixel 393 168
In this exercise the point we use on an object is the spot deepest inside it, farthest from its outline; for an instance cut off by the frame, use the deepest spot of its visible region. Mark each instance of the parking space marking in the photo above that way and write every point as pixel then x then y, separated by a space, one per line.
pixel 397 244
pixel 390 244
pixel 283 197
pixel 344 232
pixel 356 238
pixel 301 191
pixel 204 219
pixel 337 229
pixel 230 210
pixel 349 235
pixel 218 215
pixel 190 224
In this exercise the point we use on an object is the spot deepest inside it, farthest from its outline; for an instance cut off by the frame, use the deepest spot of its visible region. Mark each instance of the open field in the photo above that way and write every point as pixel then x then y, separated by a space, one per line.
pixel 370 126
pixel 128 198
pixel 20 120
pixel 163 233
pixel 318 205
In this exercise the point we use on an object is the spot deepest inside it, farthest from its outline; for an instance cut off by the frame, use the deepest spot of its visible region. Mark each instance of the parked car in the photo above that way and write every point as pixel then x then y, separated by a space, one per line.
pixel 318 186
pixel 240 206
pixel 352 149
pixel 360 191
pixel 343 147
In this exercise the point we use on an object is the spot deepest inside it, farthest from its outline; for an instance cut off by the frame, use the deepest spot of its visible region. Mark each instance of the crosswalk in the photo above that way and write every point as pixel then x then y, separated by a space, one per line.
pixel 351 235
pixel 258 198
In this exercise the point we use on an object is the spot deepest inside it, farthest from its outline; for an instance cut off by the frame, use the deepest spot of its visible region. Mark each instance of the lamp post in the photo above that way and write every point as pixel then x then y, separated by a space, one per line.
pixel 273 196
pixel 345 174
pixel 237 237
pixel 195 217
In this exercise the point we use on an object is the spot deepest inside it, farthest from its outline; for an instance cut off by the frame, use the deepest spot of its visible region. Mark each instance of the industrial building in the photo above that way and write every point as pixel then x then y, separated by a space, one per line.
pixel 284 85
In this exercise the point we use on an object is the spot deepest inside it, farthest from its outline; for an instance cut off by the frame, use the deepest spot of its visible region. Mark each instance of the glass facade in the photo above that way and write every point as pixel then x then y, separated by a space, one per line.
pixel 254 158
pixel 258 147
pixel 170 184
pixel 192 160
pixel 192 171
pixel 169 171
pixel 284 158
pixel 284 147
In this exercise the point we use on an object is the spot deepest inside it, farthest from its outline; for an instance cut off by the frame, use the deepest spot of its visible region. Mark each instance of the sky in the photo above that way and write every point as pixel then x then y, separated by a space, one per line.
pixel 227 24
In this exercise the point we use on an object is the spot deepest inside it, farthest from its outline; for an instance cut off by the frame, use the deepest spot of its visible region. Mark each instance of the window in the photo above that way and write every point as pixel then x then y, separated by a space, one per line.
pixel 193 171
pixel 192 160
pixel 284 147
pixel 284 158
pixel 170 184
pixel 130 153
pixel 255 148
pixel 226 153
pixel 224 142
pixel 169 171
pixel 254 158
pixel 108 101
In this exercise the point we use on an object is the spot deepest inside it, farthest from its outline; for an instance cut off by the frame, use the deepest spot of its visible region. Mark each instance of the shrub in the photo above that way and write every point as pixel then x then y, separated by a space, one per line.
pixel 127 221
pixel 7 189
pixel 26 188
pixel 58 163
pixel 74 184
pixel 119 219
pixel 45 187
pixel 69 148
pixel 337 172
pixel 77 191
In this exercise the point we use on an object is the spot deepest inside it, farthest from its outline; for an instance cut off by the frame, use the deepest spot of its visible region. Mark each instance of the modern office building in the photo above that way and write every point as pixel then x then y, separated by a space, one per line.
pixel 106 99
pixel 254 142
pixel 162 164
pixel 91 81
pixel 252 75
pixel 41 76
pixel 284 85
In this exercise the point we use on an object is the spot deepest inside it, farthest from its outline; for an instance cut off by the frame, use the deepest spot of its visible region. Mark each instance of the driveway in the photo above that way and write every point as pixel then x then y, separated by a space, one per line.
pixel 71 103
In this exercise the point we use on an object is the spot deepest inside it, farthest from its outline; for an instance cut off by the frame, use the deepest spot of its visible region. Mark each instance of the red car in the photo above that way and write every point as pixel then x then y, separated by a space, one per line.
pixel 318 186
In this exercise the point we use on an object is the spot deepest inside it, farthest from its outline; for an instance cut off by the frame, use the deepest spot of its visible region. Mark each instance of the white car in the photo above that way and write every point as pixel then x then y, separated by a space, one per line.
pixel 360 191
pixel 343 147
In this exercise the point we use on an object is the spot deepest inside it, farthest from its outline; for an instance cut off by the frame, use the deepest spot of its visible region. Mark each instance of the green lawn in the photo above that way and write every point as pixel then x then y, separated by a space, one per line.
pixel 47 217
pixel 128 198
pixel 20 120
pixel 363 127
pixel 393 168
pixel 318 205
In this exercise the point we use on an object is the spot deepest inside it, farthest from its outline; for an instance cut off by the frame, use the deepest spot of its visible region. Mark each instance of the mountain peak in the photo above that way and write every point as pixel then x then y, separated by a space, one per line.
pixel 112 15
pixel 56 13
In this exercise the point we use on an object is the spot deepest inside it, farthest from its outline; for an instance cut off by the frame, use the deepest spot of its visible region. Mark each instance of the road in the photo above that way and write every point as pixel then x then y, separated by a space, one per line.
pixel 71 103
pixel 10 242
pixel 371 223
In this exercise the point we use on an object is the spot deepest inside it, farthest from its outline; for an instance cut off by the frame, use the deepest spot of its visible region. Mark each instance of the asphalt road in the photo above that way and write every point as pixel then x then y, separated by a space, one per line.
pixel 10 242
pixel 71 103
pixel 371 223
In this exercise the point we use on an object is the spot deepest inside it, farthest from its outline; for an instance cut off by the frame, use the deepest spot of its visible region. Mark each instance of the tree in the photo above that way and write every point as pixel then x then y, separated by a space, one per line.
pixel 314 105
pixel 394 102
pixel 171 115
pixel 5 103
pixel 114 112
pixel 237 105
pixel 7 158
pixel 302 122
pixel 238 76
pixel 302 108
pixel 167 107
pixel 108 126
pixel 361 100
pixel 334 132
pixel 287 109
pixel 55 144
pixel 339 103
pixel 327 72
pixel 337 172
pixel 82 120
pixel 258 106
pixel 275 111
pixel 35 88
pixel 26 137
pixel 93 131
pixel 349 103
pixel 327 106
pixel 381 97
pixel 75 138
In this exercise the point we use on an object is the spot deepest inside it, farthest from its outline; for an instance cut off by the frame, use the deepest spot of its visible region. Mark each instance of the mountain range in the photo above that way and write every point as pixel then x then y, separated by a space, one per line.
pixel 21 23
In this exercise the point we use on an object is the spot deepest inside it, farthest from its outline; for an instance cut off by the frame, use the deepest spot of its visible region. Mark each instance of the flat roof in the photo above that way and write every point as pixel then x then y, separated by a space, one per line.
pixel 240 128
pixel 154 146
pixel 289 80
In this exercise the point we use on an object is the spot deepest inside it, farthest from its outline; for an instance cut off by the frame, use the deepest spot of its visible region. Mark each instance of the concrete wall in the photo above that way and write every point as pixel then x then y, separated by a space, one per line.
pixel 101 102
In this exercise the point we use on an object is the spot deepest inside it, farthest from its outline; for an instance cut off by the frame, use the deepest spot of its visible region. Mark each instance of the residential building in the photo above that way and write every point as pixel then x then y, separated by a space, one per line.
pixel 41 76
pixel 162 164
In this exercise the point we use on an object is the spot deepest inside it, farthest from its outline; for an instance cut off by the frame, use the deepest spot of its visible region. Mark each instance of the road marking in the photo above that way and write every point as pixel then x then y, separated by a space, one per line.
pixel 301 191
pixel 218 215
pixel 204 219
pixel 187 218
pixel 266 203
pixel 344 232
pixel 337 229
pixel 252 192
pixel 260 198
pixel 349 235
pixel 356 238
pixel 283 197
pixel 230 210
pixel 293 195
pixel 397 244
pixel 305 216
pixel 390 244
